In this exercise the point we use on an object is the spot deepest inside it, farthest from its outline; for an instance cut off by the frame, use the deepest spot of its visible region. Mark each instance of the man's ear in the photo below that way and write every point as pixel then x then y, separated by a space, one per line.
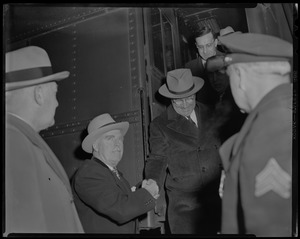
pixel 242 78
pixel 95 146
pixel 39 94
pixel 216 42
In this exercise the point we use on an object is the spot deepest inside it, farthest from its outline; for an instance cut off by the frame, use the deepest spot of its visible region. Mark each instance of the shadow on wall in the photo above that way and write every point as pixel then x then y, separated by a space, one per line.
pixel 79 153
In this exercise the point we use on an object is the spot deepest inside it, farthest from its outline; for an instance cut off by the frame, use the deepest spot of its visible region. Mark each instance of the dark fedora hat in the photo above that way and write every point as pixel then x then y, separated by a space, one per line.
pixel 181 83
pixel 29 66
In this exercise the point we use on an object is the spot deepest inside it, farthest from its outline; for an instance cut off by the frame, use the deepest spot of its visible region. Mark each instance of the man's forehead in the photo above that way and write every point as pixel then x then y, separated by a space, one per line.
pixel 207 38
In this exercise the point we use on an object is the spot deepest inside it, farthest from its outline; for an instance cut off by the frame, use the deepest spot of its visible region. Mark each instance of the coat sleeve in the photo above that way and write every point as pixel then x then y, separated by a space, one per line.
pixel 24 209
pixel 266 174
pixel 157 160
pixel 98 189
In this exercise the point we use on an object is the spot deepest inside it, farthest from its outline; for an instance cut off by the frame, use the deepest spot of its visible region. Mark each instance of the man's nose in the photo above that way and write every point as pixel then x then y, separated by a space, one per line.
pixel 184 103
pixel 117 142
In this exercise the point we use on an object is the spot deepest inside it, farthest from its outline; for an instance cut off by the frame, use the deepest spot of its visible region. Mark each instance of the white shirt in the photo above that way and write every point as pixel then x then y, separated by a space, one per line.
pixel 194 117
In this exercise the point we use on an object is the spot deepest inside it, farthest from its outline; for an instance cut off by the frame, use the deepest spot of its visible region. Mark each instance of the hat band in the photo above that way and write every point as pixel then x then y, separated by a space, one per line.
pixel 28 74
pixel 182 92
pixel 107 125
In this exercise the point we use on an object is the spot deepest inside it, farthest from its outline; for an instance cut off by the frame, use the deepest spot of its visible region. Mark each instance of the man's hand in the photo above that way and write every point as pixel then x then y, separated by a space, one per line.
pixel 151 186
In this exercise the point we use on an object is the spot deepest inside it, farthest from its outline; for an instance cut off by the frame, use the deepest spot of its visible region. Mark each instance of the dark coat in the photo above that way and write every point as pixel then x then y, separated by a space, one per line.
pixel 264 144
pixel 38 195
pixel 207 94
pixel 188 158
pixel 105 203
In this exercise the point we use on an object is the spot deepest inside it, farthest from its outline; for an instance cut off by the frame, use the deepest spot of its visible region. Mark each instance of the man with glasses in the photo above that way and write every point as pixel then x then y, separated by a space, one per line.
pixel 206 44
pixel 184 157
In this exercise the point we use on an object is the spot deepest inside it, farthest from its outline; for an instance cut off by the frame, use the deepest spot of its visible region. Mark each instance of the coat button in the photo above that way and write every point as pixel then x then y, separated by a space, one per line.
pixel 203 169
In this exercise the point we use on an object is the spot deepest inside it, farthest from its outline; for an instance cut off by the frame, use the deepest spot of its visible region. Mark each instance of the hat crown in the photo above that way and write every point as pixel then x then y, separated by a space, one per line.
pixel 100 121
pixel 226 30
pixel 258 45
pixel 26 58
pixel 180 80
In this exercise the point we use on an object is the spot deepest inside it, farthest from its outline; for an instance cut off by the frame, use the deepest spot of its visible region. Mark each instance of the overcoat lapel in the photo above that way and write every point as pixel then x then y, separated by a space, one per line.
pixel 230 148
pixel 180 124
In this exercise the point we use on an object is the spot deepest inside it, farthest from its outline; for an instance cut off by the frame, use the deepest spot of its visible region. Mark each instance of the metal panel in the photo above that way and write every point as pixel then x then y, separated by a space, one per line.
pixel 105 60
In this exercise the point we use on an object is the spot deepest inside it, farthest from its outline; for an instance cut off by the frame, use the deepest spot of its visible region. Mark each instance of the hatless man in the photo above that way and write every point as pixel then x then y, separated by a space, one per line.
pixel 257 196
pixel 105 201
pixel 206 44
pixel 38 196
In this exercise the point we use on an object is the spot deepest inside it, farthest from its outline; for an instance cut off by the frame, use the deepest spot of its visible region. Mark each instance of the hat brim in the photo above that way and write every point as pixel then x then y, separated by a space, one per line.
pixel 87 143
pixel 244 58
pixel 198 84
pixel 21 84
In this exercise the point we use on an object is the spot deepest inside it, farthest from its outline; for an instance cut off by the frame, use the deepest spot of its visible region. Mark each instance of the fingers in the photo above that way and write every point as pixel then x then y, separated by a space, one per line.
pixel 151 186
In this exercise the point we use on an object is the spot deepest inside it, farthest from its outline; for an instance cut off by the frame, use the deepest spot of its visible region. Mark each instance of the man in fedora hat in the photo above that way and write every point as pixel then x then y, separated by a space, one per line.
pixel 105 201
pixel 38 195
pixel 257 196
pixel 184 157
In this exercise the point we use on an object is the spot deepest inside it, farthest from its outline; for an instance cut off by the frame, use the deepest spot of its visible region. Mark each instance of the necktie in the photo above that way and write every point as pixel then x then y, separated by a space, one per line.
pixel 190 119
pixel 115 171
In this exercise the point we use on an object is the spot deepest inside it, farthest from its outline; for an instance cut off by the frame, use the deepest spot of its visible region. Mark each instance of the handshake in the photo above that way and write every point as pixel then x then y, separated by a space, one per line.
pixel 151 186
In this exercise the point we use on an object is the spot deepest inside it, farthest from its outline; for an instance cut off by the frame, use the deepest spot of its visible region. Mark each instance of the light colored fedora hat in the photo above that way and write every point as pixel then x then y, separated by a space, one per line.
pixel 100 125
pixel 29 66
pixel 181 83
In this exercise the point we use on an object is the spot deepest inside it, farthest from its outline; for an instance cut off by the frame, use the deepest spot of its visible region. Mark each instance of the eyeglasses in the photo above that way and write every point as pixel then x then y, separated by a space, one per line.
pixel 188 100
pixel 208 45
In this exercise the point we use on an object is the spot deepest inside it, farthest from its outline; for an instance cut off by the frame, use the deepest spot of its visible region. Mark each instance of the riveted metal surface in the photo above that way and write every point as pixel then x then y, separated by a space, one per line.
pixel 27 21
pixel 76 126
pixel 137 73
pixel 101 54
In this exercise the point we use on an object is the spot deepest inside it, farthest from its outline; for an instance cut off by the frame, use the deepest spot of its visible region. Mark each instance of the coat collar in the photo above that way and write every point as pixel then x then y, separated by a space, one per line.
pixel 103 164
pixel 180 124
pixel 230 148
pixel 120 182
pixel 37 140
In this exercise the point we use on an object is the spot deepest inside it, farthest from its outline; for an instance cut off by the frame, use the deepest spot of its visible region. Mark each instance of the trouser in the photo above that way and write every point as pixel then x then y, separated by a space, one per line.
pixel 193 213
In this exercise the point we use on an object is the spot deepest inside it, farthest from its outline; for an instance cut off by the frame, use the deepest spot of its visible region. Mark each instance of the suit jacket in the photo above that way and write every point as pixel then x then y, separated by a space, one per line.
pixel 258 165
pixel 190 154
pixel 38 194
pixel 106 203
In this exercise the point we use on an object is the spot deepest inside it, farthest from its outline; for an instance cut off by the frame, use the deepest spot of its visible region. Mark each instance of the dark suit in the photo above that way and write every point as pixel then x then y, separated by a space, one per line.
pixel 207 94
pixel 106 203
pixel 189 160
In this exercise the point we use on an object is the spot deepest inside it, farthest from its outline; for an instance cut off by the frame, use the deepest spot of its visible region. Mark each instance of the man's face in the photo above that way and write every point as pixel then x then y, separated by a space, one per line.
pixel 184 106
pixel 238 94
pixel 219 81
pixel 110 147
pixel 207 46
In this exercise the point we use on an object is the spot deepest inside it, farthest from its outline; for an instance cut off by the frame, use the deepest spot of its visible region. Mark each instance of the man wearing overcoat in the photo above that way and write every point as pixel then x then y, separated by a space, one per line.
pixel 184 157
pixel 257 196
